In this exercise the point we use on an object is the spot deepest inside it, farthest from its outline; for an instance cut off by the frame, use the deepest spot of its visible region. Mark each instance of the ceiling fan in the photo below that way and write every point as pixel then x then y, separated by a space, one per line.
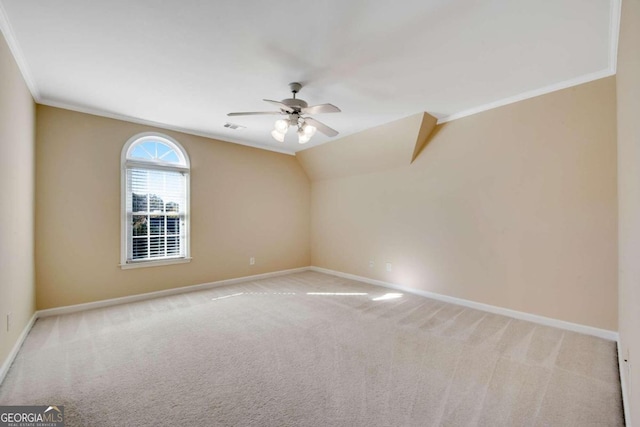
pixel 294 109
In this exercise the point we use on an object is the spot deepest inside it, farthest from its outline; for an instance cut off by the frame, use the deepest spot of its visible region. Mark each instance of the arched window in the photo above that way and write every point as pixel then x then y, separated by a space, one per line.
pixel 155 201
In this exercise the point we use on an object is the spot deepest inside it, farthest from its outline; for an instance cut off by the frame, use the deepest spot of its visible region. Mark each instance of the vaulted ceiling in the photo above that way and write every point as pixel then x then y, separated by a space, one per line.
pixel 184 65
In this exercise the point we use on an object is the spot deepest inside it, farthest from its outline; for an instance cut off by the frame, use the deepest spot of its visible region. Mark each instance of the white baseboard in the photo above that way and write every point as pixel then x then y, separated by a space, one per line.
pixel 14 351
pixel 622 367
pixel 610 335
pixel 151 295
pixel 547 321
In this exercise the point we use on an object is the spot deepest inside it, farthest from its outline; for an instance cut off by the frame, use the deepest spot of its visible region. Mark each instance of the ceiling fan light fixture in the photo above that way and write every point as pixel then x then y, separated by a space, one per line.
pixel 295 111
pixel 282 126
pixel 278 136
pixel 309 130
pixel 303 138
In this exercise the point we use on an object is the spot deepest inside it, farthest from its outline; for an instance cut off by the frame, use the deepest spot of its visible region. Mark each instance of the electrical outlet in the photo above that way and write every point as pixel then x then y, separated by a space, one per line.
pixel 252 261
pixel 388 266
pixel 371 263
pixel 9 321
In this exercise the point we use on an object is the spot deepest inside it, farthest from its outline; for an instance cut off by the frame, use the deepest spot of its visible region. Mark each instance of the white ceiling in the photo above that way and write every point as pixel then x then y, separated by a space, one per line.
pixel 184 65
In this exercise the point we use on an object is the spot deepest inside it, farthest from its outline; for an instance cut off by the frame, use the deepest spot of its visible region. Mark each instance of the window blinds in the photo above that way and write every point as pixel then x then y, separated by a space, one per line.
pixel 156 214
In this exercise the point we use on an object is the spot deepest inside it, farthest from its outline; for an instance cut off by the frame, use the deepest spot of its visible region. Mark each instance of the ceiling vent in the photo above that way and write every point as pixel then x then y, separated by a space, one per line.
pixel 234 126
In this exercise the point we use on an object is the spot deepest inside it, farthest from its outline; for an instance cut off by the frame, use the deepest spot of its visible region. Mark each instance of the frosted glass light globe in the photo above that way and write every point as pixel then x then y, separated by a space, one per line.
pixel 278 136
pixel 282 126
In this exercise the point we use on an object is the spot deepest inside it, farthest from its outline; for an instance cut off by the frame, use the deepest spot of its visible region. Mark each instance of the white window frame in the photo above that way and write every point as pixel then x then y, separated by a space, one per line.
pixel 127 163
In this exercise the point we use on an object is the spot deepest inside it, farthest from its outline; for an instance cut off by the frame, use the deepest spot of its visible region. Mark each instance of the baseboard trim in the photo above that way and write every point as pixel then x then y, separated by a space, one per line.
pixel 589 330
pixel 547 321
pixel 157 294
pixel 4 369
pixel 623 386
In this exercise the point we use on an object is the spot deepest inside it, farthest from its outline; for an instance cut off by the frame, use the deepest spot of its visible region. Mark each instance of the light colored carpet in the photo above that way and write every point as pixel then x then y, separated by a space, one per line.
pixel 268 353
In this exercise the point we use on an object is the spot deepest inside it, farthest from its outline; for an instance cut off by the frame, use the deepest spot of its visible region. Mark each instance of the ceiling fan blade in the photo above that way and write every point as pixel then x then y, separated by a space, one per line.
pixel 321 126
pixel 322 108
pixel 280 105
pixel 254 113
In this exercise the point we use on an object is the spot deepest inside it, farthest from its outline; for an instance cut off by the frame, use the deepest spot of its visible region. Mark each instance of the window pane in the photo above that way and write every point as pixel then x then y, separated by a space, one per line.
pixel 173 245
pixel 139 225
pixel 162 150
pixel 140 248
pixel 156 224
pixel 155 151
pixel 157 247
pixel 139 203
pixel 172 207
pixel 156 203
pixel 138 152
pixel 171 157
pixel 173 225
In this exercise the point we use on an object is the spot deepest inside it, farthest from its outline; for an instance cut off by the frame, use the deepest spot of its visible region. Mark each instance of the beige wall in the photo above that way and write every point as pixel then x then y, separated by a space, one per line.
pixel 17 146
pixel 244 202
pixel 628 84
pixel 514 207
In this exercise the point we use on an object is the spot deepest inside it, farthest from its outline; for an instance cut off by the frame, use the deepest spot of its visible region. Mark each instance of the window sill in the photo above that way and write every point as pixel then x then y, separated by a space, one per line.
pixel 155 263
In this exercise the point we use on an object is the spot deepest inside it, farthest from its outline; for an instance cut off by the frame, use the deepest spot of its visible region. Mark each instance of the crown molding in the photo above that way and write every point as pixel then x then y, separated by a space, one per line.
pixel 529 94
pixel 116 116
pixel 614 32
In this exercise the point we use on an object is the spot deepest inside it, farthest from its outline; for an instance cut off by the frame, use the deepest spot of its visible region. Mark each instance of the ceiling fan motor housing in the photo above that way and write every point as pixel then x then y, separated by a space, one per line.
pixel 296 104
